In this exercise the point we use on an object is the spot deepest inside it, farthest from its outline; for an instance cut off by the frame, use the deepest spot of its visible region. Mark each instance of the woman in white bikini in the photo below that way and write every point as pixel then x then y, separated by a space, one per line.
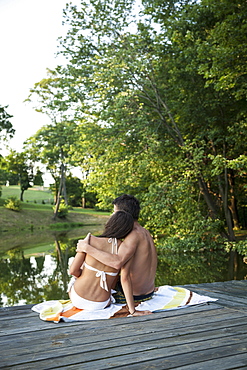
pixel 91 288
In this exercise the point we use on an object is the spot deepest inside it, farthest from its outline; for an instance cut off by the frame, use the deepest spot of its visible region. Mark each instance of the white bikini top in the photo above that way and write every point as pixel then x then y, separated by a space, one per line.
pixel 113 242
pixel 102 274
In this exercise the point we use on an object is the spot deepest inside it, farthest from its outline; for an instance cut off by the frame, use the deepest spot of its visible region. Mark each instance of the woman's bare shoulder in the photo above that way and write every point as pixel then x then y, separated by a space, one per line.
pixel 100 243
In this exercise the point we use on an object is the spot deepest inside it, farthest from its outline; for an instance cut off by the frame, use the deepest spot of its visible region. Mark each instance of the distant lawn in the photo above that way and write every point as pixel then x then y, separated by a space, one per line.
pixel 35 215
pixel 45 207
pixel 36 194
pixel 37 199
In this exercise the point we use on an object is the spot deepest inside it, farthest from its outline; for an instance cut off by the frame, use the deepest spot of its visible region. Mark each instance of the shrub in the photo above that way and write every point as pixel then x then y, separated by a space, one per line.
pixel 13 203
pixel 63 210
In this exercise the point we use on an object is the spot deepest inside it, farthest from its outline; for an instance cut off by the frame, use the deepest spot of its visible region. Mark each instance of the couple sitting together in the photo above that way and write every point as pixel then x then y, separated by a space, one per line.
pixel 123 258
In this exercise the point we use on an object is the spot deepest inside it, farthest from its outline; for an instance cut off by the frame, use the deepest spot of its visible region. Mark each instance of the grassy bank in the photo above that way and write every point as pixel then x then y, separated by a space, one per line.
pixel 34 225
pixel 38 217
pixel 37 213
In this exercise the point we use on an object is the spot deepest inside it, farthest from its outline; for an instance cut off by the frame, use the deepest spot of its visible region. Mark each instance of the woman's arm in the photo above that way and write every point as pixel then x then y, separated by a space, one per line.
pixel 75 268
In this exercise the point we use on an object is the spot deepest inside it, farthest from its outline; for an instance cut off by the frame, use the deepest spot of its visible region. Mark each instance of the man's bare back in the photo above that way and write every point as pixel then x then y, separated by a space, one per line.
pixel 143 263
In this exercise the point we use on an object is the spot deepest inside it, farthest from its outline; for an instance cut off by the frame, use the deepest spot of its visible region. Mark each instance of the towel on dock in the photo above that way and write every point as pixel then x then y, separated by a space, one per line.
pixel 165 298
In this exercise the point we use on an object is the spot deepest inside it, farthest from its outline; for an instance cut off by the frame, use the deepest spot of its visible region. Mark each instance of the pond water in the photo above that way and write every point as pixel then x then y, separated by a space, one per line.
pixel 33 272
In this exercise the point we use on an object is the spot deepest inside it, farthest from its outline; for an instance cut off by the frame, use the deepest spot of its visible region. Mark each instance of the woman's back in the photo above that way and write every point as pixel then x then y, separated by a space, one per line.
pixel 91 284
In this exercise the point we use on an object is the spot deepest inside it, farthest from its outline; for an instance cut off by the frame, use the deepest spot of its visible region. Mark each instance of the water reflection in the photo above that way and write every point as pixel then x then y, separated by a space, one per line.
pixel 29 279
pixel 201 267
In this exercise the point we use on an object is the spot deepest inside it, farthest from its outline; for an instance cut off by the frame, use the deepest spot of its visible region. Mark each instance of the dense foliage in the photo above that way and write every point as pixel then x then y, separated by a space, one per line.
pixel 6 128
pixel 19 164
pixel 155 95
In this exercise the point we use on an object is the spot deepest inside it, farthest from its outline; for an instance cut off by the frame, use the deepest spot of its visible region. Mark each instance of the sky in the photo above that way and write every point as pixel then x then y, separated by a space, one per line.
pixel 29 30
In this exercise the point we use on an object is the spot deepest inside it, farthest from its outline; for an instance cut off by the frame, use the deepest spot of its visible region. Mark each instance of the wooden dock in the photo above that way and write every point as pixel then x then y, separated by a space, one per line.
pixel 212 336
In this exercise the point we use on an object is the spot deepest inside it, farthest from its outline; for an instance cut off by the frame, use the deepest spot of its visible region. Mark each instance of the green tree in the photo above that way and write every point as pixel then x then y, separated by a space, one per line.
pixel 38 179
pixel 6 128
pixel 215 110
pixel 164 121
pixel 6 176
pixel 54 96
pixel 75 190
pixel 20 164
pixel 6 131
pixel 161 107
pixel 53 144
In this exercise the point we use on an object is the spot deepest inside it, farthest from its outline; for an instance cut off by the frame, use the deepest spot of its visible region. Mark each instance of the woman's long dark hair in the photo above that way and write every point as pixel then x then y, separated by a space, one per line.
pixel 119 225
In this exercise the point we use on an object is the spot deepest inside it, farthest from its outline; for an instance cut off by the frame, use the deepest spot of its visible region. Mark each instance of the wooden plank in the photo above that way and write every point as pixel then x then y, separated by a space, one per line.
pixel 148 322
pixel 222 294
pixel 13 309
pixel 179 360
pixel 192 338
pixel 227 294
pixel 226 363
pixel 34 343
pixel 13 313
pixel 92 342
pixel 237 285
pixel 166 358
pixel 157 320
pixel 237 290
pixel 23 325
pixel 158 353
pixel 69 347
pixel 233 288
pixel 137 324
pixel 235 362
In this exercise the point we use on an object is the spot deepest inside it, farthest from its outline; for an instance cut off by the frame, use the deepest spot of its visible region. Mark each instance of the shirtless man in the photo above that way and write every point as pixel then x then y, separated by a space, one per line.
pixel 137 256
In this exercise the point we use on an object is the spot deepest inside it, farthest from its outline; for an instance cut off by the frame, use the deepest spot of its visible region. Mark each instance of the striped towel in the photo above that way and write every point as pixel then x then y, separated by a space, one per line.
pixel 165 298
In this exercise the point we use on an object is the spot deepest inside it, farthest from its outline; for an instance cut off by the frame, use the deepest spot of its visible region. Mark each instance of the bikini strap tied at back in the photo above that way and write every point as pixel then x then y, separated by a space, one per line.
pixel 101 275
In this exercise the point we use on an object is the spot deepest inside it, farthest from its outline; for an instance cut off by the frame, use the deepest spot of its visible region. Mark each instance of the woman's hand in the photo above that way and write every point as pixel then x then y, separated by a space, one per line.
pixel 83 243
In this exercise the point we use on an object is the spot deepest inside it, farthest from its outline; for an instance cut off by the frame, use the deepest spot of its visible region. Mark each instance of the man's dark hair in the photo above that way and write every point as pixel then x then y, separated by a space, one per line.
pixel 129 204
pixel 119 225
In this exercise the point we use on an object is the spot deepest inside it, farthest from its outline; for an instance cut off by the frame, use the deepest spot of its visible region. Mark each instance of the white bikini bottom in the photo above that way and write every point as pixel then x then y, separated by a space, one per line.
pixel 85 304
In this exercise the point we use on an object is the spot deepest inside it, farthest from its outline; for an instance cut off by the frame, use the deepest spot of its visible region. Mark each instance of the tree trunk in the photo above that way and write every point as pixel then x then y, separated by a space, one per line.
pixel 64 191
pixel 233 265
pixel 56 191
pixel 21 195
pixel 233 202
pixel 224 195
pixel 62 260
pixel 58 200
pixel 210 202
pixel 61 191
pixel 208 199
